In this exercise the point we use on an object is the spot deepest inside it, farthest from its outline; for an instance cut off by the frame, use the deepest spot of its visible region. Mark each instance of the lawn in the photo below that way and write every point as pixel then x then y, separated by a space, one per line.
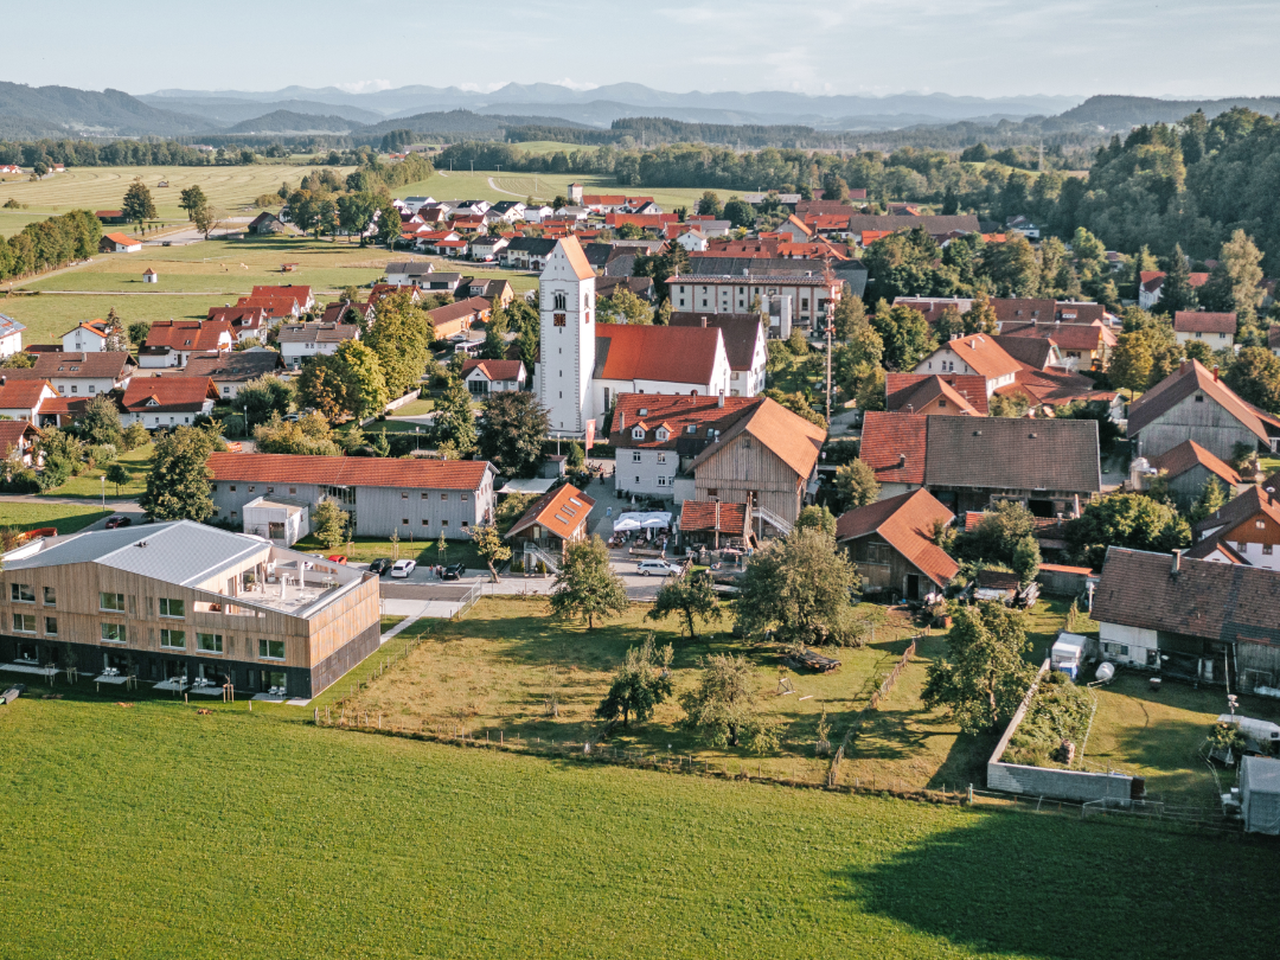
pixel 366 549
pixel 89 483
pixel 151 831
pixel 417 408
pixel 68 518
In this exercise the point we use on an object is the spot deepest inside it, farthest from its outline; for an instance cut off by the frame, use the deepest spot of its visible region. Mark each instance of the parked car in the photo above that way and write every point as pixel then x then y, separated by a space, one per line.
pixel 380 566
pixel 337 558
pixel 661 567
pixel 118 521
pixel 402 568
pixel 453 571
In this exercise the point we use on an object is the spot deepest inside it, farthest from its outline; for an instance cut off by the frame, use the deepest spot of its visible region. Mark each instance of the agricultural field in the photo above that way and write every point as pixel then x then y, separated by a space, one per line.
pixel 508 666
pixel 494 186
pixel 66 517
pixel 102 188
pixel 143 829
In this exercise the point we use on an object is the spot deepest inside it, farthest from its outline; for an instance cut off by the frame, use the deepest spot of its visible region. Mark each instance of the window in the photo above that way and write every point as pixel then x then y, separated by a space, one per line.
pixel 1199 398
pixel 293 491
pixel 635 456
pixel 425 496
pixel 209 642
pixel 24 623
pixel 444 523
pixel 173 639
pixel 172 608
pixel 637 479
pixel 404 521
pixel 271 649
pixel 466 497
pixel 114 633
pixel 662 456
pixel 426 523
pixel 637 433
pixel 1267 549
pixel 662 481
pixel 111 601
pixel 444 496
pixel 560 302
pixel 232 488
pixel 51 626
pixel 21 593
pixel 404 495
pixel 662 435
pixel 1260 524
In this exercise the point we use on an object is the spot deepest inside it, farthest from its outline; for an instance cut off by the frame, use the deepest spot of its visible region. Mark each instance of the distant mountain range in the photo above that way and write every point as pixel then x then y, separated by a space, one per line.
pixel 30 112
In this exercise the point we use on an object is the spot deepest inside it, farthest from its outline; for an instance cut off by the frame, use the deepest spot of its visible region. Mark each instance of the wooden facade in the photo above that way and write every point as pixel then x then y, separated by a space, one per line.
pixel 744 470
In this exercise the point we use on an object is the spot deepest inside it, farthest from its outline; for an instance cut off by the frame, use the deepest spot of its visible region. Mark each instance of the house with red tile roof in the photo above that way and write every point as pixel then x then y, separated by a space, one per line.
pixel 951 394
pixel 714 523
pixel 1218 330
pixel 893 446
pixel 170 342
pixel 644 358
pixel 88 336
pixel 1188 466
pixel 17 441
pixel 456 318
pixel 79 374
pixel 555 520
pixel 167 402
pixel 300 294
pixel 297 341
pixel 1151 286
pixel 1089 345
pixel 978 354
pixel 247 323
pixel 1249 526
pixel 745 343
pixel 24 399
pixel 484 377
pixel 1045 389
pixel 892 542
pixel 414 498
pixel 118 243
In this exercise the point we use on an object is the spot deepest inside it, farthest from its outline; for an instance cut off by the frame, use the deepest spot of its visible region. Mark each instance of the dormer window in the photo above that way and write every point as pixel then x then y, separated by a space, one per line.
pixel 643 411
pixel 662 434
pixel 637 433
pixel 691 428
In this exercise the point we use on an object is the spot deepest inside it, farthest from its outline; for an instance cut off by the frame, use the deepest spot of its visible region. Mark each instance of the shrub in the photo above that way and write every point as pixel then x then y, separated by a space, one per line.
pixel 101 455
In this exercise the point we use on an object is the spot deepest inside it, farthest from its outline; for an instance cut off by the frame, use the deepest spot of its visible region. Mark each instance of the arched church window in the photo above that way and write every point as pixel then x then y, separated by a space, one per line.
pixel 561 303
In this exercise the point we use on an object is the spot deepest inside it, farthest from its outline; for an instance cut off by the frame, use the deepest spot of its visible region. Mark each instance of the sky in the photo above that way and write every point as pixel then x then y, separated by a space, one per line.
pixel 1171 48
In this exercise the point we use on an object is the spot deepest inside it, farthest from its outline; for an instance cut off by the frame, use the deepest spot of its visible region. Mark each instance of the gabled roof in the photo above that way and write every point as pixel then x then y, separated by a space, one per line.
pixel 1012 454
pixel 1023 310
pixel 692 422
pixel 714 516
pixel 1033 353
pixel 98 328
pixel 743 332
pixel 910 392
pixel 1189 454
pixel 8 325
pixel 1191 377
pixel 13 433
pixel 164 394
pixel 122 240
pixel 983 355
pixel 507 370
pixel 22 394
pixel 932 308
pixel 893 445
pixel 412 268
pixel 1195 321
pixel 562 511
pixel 187 335
pixel 573 252
pixel 460 310
pixel 906 522
pixel 349 471
pixel 791 438
pixel 317 332
pixel 73 365
pixel 239 365
pixel 1055 388
pixel 1068 336
pixel 1253 502
pixel 1214 601
pixel 627 351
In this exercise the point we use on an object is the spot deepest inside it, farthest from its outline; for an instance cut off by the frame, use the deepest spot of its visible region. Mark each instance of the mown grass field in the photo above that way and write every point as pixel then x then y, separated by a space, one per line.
pixel 89 483
pixel 150 831
pixel 68 518
pixel 102 188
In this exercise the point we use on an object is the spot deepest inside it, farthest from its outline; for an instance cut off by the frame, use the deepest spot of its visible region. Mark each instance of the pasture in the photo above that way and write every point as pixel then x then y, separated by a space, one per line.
pixel 102 188
pixel 149 831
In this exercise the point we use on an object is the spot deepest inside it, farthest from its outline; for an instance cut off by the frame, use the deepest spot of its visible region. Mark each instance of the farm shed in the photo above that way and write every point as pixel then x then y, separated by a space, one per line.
pixel 1260 794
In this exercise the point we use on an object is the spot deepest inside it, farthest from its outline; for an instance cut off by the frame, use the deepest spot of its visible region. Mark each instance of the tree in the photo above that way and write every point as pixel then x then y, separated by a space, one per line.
pixel 101 421
pixel 906 336
pixel 490 546
pixel 709 205
pixel 849 317
pixel 329 523
pixel 980 317
pixel 1234 283
pixel 641 682
pixel 1131 362
pixel 455 419
pixel 1255 376
pixel 1012 407
pixel 576 458
pixel 692 597
pixel 1129 520
pixel 361 372
pixel 586 587
pixel 135 436
pixel 801 586
pixel 623 306
pixel 138 332
pixel 1176 292
pixel 515 426
pixel 856 485
pixel 191 200
pixel 178 482
pixel 724 708
pixel 118 474
pixel 138 207
pixel 306 436
pixel 399 338
pixel 208 219
pixel 355 213
pixel 814 517
pixel 1212 497
pixel 984 677
pixel 739 213
pixel 388 222
pixel 1011 267
pixel 268 395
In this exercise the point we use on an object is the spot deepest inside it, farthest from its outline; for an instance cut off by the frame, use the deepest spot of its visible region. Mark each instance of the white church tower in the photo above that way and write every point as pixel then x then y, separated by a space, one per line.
pixel 567 303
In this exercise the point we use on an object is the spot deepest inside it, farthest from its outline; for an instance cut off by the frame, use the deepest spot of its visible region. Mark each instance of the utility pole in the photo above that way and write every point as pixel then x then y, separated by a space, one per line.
pixel 830 326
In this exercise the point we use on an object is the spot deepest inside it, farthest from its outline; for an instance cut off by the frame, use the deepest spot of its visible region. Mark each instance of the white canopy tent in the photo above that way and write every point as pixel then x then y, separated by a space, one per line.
pixel 654 520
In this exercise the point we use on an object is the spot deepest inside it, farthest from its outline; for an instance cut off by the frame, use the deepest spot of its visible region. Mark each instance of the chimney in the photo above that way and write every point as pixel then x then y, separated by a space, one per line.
pixel 704 323
pixel 720 399
pixel 1182 367
pixel 902 460
pixel 622 420
pixel 1215 374
pixel 1177 563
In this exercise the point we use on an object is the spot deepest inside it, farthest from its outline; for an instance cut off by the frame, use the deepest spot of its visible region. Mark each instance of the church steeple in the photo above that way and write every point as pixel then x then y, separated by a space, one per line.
pixel 567 304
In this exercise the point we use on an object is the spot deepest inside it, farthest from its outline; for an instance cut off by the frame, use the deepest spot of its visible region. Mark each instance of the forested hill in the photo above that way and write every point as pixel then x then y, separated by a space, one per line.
pixel 288 123
pixel 65 111
pixel 1121 113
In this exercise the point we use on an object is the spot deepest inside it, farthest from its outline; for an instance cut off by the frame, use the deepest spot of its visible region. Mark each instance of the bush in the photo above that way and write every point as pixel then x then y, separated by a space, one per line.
pixel 24 481
pixel 57 471
pixel 101 455
pixel 1059 711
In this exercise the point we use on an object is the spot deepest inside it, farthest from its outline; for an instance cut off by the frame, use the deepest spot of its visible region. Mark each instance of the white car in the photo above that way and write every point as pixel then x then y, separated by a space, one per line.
pixel 661 567
pixel 402 568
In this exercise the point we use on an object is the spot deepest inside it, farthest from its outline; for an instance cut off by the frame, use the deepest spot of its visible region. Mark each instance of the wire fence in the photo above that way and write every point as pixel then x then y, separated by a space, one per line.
pixel 855 727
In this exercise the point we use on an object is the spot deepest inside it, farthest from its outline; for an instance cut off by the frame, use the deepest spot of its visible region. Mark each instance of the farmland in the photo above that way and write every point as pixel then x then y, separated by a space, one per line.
pixel 464 184
pixel 151 831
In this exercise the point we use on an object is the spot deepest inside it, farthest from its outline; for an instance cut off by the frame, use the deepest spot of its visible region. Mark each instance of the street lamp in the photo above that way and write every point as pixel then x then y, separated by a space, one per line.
pixel 103 478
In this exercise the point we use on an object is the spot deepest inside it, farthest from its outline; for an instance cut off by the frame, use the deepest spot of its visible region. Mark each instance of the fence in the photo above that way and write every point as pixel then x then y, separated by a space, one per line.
pixel 469 600
pixel 877 695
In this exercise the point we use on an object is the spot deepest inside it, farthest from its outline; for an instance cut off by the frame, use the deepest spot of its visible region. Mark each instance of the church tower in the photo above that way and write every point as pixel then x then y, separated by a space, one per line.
pixel 567 304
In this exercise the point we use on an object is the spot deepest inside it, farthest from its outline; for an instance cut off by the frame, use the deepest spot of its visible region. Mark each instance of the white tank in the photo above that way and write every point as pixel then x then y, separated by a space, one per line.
pixel 1106 671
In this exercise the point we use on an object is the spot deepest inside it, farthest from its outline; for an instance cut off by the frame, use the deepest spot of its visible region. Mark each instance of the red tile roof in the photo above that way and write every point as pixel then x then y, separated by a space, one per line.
pixel 494 369
pixel 714 516
pixel 577 257
pixel 914 390
pixel 188 335
pixel 893 445
pixel 1189 454
pixel 155 394
pixel 1053 388
pixel 470 307
pixel 71 364
pixel 121 239
pixel 349 471
pixel 563 511
pixel 1068 336
pixel 13 432
pixel 271 306
pixel 791 438
pixel 678 412
pixel 906 522
pixel 983 355
pixel 295 292
pixel 684 355
pixel 1194 321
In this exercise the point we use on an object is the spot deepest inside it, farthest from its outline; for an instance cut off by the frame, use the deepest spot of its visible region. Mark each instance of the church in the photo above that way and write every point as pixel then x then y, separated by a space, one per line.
pixel 585 365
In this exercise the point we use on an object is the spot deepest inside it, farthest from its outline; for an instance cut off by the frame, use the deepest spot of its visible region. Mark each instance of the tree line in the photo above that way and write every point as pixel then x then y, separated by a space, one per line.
pixel 119 153
pixel 50 244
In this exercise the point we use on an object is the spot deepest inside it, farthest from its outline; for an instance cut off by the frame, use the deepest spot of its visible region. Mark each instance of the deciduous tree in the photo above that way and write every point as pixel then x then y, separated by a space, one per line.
pixel 641 682
pixel 178 482
pixel 691 597
pixel 801 586
pixel 856 485
pixel 329 523
pixel 1126 520
pixel 515 427
pixel 138 207
pixel 724 708
pixel 586 587
pixel 490 546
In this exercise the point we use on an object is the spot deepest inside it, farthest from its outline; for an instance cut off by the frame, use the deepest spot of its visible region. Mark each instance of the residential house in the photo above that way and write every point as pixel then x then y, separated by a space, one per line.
pixel 978 354
pixel 745 344
pixel 275 309
pixel 812 292
pixel 797 230
pixel 167 402
pixel 1024 226
pixel 10 336
pixel 266 224
pixel 1085 346
pixel 1044 390
pixel 487 248
pixel 118 243
pixel 347 312
pixel 641 287
pixel 1193 404
pixel 713 523
pixel 892 543
pixel 456 318
pixel 300 294
pixel 416 498
pixel 1190 619
pixel 17 441
pixel 170 343
pixel 691 239
pixel 89 336
pixel 893 446
pixel 483 377
pixel 527 253
pixel 555 520
pixel 187 608
pixel 1187 467
pixel 932 308
pixel 509 211
pixel 1151 286
pixel 497 292
pixel 297 341
pixel 110 217
pixel 79 374
pixel 24 399
pixel 952 394
pixel 441 283
pixel 632 358
pixel 709 226
pixel 1248 526
pixel 411 272
pixel 231 371
pixel 1033 353
pixel 247 323
pixel 1218 330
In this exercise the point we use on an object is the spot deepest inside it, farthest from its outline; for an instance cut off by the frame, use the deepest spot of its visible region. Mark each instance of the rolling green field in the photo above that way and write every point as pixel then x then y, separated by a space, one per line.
pixel 102 188
pixel 150 831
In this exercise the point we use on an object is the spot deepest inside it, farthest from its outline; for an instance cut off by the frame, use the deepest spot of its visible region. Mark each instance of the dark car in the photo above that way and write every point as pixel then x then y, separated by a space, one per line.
pixel 380 566
pixel 453 571
pixel 118 521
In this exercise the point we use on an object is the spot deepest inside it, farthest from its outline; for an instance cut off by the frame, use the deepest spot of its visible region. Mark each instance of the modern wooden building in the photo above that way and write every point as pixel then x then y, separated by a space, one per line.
pixel 184 606
pixel 555 520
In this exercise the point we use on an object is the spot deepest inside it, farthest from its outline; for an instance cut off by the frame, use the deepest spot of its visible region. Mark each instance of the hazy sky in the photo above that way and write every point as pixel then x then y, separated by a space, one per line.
pixel 979 47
